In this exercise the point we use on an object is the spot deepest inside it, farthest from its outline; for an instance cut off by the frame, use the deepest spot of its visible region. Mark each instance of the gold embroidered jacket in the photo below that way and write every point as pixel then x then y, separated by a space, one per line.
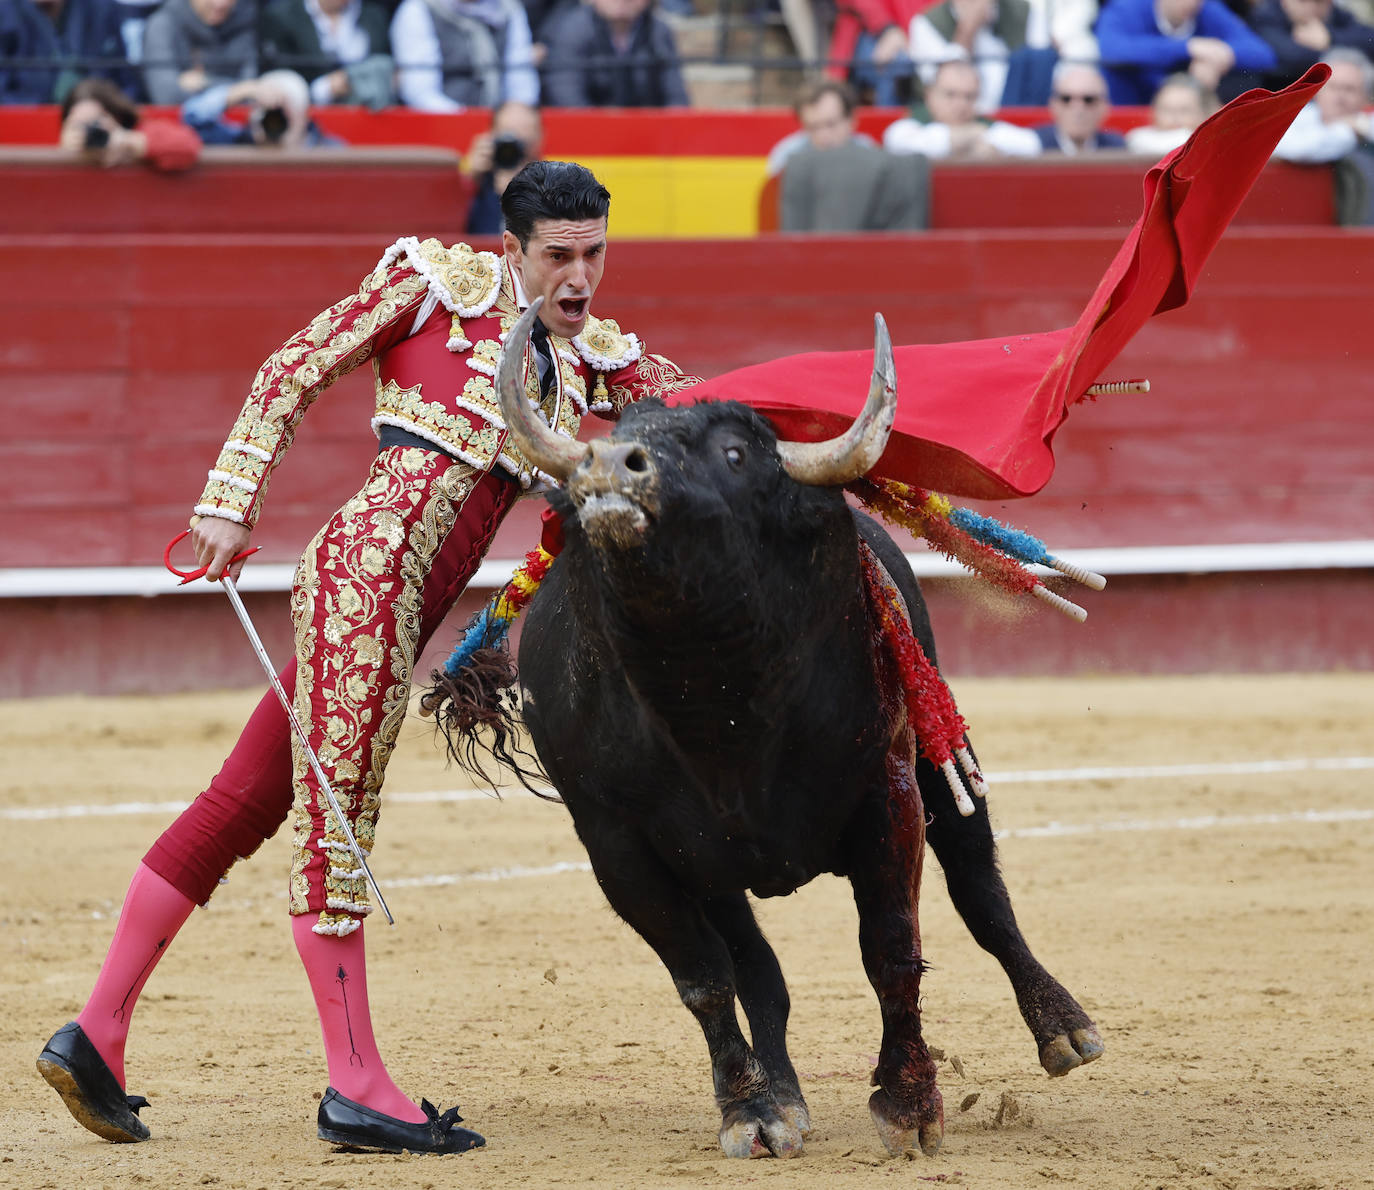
pixel 438 382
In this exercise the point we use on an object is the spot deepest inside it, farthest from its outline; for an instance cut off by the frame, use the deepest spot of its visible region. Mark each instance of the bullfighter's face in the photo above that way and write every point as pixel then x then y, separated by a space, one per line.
pixel 562 263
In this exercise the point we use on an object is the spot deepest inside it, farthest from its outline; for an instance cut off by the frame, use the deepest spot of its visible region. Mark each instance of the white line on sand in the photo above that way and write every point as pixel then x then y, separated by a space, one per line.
pixel 1154 772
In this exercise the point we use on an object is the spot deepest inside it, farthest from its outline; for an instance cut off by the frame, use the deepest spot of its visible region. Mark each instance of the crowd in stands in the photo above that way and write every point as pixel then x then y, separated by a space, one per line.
pixel 431 55
pixel 249 71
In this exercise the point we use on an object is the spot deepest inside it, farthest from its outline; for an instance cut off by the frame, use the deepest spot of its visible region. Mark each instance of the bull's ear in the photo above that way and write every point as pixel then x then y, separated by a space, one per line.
pixel 858 449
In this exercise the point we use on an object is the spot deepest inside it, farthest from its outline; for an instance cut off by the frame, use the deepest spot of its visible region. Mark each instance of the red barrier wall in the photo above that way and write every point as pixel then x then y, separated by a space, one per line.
pixel 236 190
pixel 125 358
pixel 568 132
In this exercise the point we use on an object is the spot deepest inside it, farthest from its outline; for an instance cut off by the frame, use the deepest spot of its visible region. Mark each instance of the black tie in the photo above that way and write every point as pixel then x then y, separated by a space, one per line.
pixel 543 358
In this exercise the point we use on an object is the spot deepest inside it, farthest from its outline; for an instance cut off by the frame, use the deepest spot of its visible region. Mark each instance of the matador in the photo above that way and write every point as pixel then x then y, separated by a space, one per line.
pixel 370 589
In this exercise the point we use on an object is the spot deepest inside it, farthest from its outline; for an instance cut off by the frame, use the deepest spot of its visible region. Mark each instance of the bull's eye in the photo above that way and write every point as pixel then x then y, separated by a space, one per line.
pixel 734 455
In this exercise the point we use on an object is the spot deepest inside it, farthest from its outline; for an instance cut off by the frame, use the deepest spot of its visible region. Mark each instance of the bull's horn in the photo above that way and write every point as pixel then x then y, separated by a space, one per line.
pixel 854 452
pixel 551 452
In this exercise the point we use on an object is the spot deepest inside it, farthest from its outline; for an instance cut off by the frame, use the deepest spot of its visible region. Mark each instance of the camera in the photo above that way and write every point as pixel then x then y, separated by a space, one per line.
pixel 507 151
pixel 96 137
pixel 273 122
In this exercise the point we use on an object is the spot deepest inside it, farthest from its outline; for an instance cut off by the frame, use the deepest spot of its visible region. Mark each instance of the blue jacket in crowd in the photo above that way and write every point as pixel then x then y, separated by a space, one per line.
pixel 1137 57
pixel 86 29
pixel 1276 27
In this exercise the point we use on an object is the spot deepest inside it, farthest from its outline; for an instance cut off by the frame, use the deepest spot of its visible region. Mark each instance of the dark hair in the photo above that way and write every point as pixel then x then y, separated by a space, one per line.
pixel 552 190
pixel 818 91
pixel 122 110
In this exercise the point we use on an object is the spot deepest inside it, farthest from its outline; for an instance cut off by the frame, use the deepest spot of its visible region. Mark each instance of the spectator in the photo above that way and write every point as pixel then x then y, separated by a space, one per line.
pixel 133 20
pixel 835 182
pixel 612 53
pixel 988 33
pixel 1361 10
pixel 1301 31
pixel 1179 106
pixel 102 124
pixel 955 130
pixel 516 137
pixel 190 45
pixel 453 54
pixel 1335 123
pixel 278 113
pixel 48 41
pixel 1079 107
pixel 540 14
pixel 826 113
pixel 1071 28
pixel 869 45
pixel 342 48
pixel 1144 41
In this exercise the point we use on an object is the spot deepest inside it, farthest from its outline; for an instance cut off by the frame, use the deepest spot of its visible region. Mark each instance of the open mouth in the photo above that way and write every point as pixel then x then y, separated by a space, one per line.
pixel 573 309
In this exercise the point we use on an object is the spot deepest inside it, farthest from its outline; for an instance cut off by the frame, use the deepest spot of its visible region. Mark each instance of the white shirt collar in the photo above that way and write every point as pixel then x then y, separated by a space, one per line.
pixel 1183 30
pixel 521 301
pixel 340 35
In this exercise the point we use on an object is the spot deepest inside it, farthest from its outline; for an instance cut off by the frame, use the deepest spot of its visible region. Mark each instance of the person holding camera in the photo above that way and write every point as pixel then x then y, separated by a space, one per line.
pixel 278 116
pixel 516 137
pixel 102 123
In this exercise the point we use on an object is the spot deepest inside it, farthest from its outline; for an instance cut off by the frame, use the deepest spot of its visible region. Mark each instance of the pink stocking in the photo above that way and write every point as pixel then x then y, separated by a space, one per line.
pixel 153 912
pixel 337 969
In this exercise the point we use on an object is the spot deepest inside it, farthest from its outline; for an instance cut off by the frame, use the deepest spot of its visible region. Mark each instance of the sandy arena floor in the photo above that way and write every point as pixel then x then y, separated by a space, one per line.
pixel 1215 922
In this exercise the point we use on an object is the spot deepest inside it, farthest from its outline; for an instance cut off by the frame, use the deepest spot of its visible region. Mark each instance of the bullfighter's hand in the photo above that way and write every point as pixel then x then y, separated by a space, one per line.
pixel 215 541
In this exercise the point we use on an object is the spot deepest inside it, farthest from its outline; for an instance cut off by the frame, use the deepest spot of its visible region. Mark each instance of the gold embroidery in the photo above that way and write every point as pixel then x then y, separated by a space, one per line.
pixel 289 381
pixel 406 407
pixel 472 278
pixel 654 376
pixel 487 352
pixel 374 569
pixel 602 337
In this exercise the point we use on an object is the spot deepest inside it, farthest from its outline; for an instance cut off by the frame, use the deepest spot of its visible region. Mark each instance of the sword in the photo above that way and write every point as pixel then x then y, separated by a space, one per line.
pixel 231 589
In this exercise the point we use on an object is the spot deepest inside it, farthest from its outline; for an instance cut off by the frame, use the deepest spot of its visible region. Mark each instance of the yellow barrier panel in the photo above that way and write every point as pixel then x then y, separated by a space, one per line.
pixel 682 197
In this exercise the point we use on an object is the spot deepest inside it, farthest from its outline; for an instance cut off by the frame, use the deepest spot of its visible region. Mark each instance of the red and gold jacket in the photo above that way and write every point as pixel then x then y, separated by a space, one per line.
pixel 432 321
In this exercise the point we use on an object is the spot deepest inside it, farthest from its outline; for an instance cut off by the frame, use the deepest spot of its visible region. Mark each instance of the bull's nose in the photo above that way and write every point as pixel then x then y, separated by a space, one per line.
pixel 618 462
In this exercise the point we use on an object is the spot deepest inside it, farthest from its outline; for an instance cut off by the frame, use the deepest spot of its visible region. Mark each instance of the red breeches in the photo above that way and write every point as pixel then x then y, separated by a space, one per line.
pixel 370 591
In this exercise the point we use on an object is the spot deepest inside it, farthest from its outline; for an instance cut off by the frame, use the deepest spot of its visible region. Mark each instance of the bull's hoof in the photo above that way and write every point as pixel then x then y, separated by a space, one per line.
pixel 1061 1054
pixel 904 1131
pixel 796 1115
pixel 766 1132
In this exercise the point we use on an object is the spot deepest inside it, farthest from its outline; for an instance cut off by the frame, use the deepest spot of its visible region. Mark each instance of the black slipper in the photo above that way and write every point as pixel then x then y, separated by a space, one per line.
pixel 77 1072
pixel 354 1126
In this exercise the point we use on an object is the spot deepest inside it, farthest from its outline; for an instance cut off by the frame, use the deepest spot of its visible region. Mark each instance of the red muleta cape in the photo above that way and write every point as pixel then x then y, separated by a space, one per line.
pixel 975 419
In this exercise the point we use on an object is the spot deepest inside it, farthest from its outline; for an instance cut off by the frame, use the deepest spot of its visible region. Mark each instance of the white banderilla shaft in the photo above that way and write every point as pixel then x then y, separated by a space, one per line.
pixel 256 641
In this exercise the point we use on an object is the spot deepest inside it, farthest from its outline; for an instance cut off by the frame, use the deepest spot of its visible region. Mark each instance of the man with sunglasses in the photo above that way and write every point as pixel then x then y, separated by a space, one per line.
pixel 1079 107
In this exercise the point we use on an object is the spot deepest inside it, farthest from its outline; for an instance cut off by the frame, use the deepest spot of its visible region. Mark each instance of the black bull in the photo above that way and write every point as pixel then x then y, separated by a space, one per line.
pixel 703 685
